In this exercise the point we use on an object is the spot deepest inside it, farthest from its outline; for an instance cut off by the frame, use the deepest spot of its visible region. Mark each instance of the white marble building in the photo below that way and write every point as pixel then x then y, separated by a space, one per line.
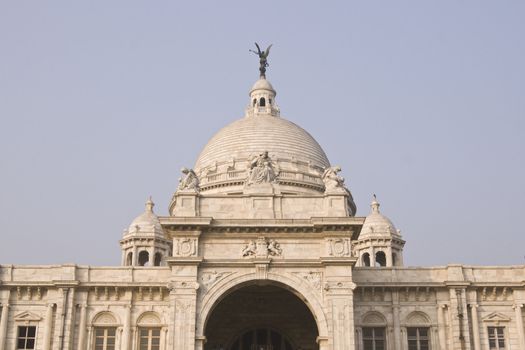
pixel 261 251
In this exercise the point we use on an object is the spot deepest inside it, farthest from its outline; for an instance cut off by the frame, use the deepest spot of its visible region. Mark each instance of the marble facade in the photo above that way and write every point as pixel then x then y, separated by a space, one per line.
pixel 262 250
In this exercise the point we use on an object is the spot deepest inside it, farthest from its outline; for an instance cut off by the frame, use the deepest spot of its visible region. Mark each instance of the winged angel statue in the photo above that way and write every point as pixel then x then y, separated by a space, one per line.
pixel 263 59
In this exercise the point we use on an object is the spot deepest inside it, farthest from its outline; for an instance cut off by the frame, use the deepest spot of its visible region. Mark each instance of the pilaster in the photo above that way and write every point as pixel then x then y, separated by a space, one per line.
pixel 519 324
pixel 82 327
pixel 4 321
pixel 48 326
pixel 397 325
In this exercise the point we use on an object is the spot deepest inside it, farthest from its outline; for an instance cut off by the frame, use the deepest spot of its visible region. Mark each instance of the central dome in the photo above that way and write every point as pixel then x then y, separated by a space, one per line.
pixel 298 158
pixel 249 136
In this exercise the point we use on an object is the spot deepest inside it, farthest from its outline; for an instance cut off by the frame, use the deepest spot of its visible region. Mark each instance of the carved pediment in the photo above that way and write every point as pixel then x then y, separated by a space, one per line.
pixel 496 317
pixel 27 316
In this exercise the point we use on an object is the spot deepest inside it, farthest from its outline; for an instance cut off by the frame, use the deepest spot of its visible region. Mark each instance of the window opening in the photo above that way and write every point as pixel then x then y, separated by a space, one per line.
pixel 380 259
pixel 418 338
pixel 496 338
pixel 149 339
pixel 129 259
pixel 374 338
pixel 158 259
pixel 105 338
pixel 143 258
pixel 366 259
pixel 394 259
pixel 262 102
pixel 26 337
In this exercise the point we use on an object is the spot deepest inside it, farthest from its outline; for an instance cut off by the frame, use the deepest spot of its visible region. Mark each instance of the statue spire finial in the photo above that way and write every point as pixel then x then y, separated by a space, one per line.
pixel 263 59
pixel 375 204
pixel 150 205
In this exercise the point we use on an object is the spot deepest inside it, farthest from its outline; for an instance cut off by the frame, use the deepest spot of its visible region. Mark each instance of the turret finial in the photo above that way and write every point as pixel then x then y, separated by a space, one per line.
pixel 375 204
pixel 150 205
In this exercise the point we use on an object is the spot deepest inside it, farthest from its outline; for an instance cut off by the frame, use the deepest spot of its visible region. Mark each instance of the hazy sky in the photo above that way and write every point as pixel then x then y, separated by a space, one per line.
pixel 420 102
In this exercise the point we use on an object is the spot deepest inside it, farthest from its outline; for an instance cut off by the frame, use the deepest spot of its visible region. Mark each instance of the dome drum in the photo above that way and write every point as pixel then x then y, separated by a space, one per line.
pixel 236 172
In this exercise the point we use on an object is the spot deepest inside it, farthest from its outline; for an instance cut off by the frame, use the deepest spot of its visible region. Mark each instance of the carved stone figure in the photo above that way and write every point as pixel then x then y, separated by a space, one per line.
pixel 263 59
pixel 250 249
pixel 261 170
pixel 331 180
pixel 273 248
pixel 262 248
pixel 190 181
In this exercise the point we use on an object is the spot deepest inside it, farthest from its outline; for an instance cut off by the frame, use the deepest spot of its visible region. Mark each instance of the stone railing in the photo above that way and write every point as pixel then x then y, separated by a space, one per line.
pixel 237 177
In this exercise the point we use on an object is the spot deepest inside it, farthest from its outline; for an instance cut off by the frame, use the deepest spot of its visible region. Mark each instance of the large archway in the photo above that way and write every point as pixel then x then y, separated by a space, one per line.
pixel 261 317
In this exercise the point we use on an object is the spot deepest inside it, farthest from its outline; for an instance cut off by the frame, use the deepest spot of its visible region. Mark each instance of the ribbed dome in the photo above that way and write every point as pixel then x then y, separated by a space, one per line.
pixel 146 224
pixel 376 224
pixel 249 136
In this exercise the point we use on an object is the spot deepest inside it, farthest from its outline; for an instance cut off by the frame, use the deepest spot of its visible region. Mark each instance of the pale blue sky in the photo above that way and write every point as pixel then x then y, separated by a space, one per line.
pixel 102 102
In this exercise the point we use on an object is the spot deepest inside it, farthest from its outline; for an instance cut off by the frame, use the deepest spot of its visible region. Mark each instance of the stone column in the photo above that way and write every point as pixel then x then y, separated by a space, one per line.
pixel 82 328
pixel 404 338
pixel 475 326
pixel 358 338
pixel 151 253
pixel 126 329
pixel 519 324
pixel 135 260
pixel 48 327
pixel 441 327
pixel 395 314
pixel 3 324
pixel 388 253
pixel 372 257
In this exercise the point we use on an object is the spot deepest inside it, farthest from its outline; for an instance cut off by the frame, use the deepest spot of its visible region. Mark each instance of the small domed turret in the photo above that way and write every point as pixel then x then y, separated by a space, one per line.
pixel 146 224
pixel 379 243
pixel 144 242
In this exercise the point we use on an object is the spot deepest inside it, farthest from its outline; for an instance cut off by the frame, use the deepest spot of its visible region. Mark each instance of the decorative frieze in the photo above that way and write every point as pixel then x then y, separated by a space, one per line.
pixel 494 293
pixel 30 293
pixel 261 248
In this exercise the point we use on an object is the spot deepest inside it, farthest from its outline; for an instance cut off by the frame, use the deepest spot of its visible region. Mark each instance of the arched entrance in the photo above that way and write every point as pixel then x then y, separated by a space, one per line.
pixel 261 317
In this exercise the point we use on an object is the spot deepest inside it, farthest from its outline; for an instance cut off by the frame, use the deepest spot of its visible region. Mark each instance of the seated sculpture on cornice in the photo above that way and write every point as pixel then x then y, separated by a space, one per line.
pixel 332 181
pixel 262 170
pixel 189 182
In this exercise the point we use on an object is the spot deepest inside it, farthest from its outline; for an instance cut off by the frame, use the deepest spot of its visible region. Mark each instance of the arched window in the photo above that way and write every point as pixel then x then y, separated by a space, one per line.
pixel 374 331
pixel 105 331
pixel 366 259
pixel 380 259
pixel 394 259
pixel 254 102
pixel 129 259
pixel 143 258
pixel 158 259
pixel 262 102
pixel 270 101
pixel 149 331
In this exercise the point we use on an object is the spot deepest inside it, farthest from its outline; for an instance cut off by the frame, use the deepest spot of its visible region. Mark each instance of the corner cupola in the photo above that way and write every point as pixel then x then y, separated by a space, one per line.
pixel 379 243
pixel 144 242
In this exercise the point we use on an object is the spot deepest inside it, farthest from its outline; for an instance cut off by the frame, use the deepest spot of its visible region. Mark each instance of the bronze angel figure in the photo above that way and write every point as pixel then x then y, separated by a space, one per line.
pixel 263 59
